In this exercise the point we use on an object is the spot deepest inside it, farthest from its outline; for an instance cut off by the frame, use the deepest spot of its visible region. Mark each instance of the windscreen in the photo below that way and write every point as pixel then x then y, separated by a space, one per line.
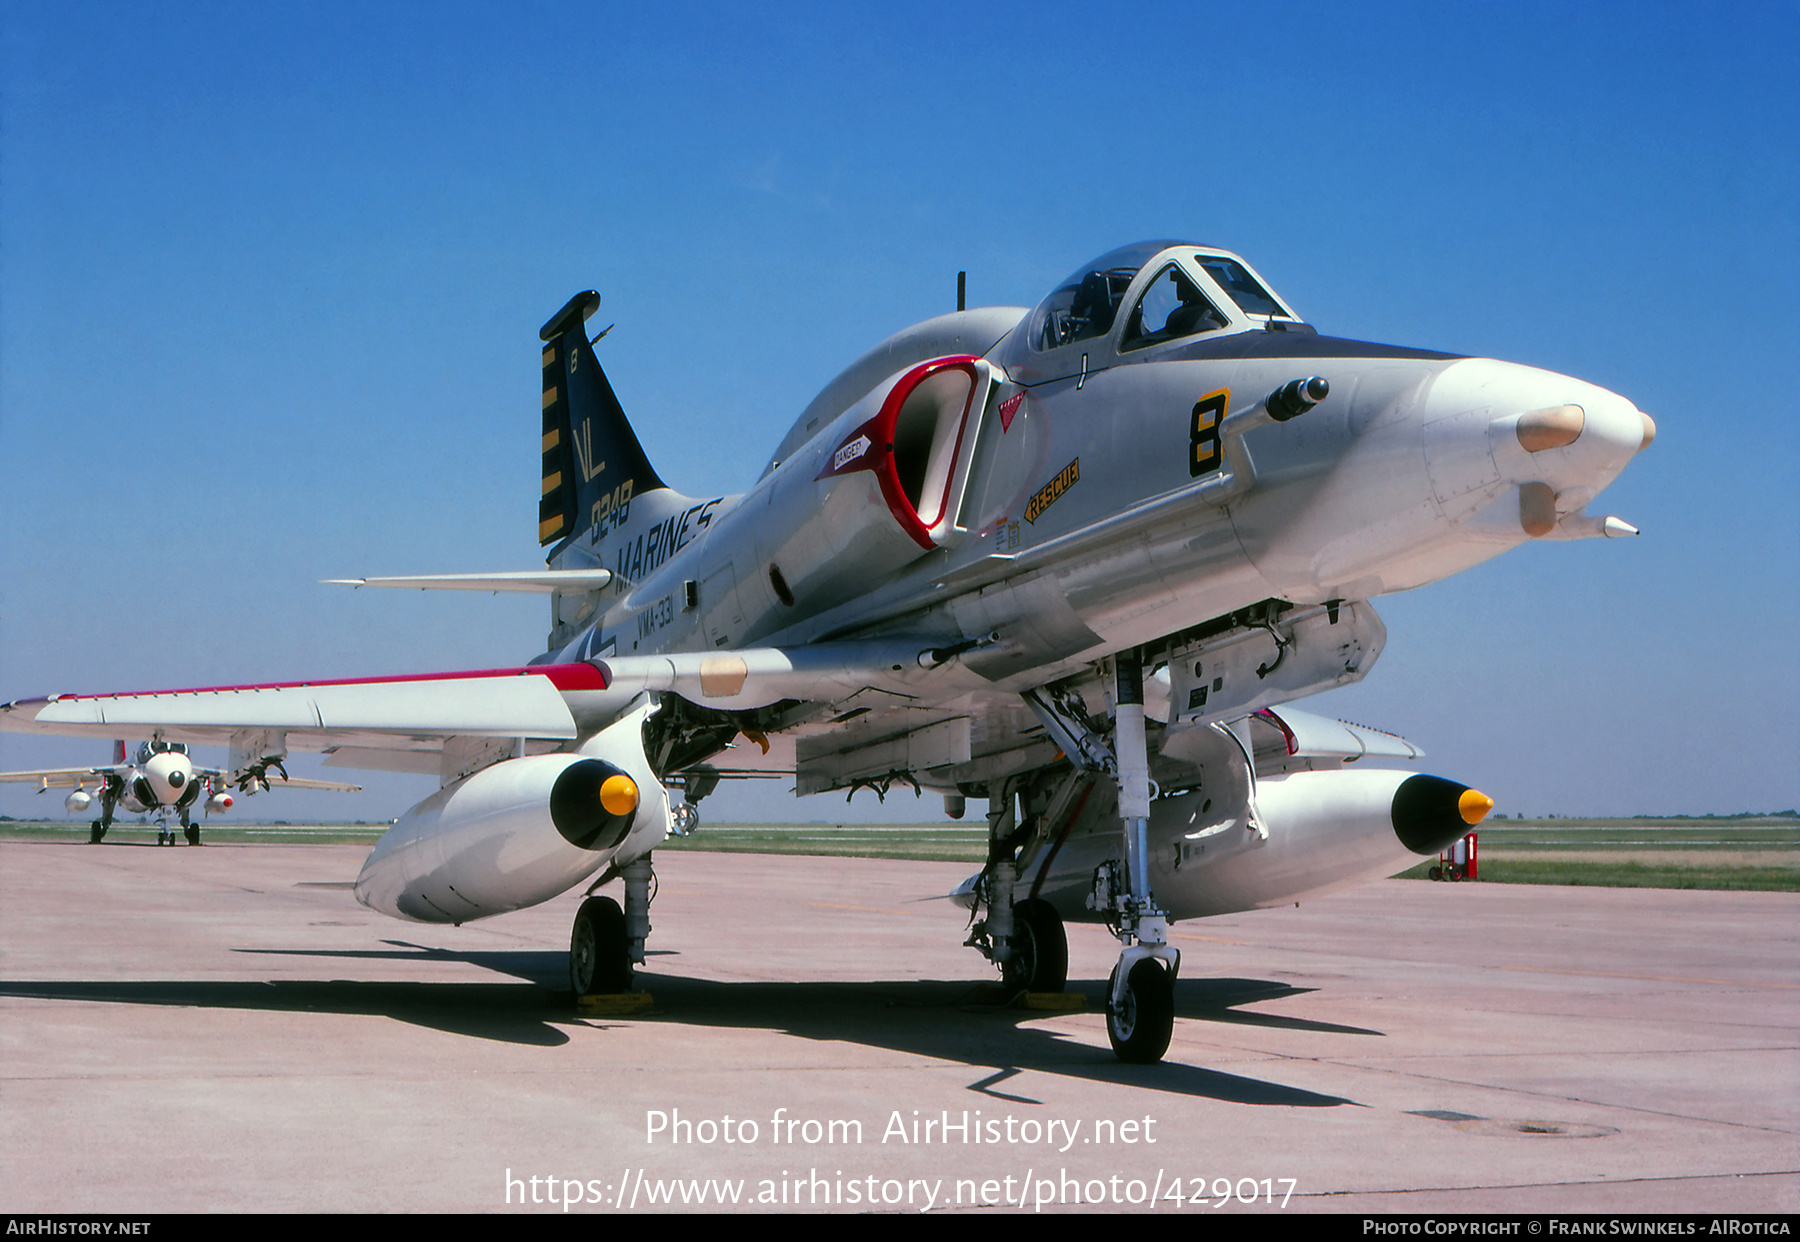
pixel 1251 297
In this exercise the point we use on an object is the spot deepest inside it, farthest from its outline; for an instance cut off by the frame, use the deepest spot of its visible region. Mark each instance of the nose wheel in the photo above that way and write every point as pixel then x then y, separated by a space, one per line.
pixel 1141 1020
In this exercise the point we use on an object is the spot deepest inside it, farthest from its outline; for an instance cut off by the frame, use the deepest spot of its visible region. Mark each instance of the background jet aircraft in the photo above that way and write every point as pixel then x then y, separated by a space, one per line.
pixel 1071 560
pixel 164 782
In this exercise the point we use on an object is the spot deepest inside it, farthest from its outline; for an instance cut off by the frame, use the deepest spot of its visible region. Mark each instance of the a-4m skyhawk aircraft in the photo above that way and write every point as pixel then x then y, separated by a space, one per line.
pixel 1071 560
pixel 163 781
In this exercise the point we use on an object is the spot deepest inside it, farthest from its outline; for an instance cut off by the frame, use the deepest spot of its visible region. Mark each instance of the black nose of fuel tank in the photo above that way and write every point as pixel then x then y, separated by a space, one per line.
pixel 1429 812
pixel 593 804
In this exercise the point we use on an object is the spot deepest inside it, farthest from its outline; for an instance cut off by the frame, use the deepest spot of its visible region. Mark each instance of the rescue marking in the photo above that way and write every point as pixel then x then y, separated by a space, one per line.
pixel 1053 491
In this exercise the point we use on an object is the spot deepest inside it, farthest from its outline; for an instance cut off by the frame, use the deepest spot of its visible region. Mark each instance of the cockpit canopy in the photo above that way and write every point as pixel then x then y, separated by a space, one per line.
pixel 1194 289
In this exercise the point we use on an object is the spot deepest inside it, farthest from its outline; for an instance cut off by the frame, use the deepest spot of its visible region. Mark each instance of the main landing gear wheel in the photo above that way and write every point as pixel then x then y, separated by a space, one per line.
pixel 599 956
pixel 192 833
pixel 1141 1027
pixel 1040 949
pixel 96 833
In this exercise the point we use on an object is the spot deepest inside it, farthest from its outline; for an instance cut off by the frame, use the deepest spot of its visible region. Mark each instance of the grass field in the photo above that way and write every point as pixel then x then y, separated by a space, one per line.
pixel 1750 853
pixel 1710 853
pixel 133 833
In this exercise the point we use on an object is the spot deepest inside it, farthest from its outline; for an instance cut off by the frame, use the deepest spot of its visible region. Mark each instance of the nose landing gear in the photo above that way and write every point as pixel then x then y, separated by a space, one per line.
pixel 1141 992
pixel 1140 1021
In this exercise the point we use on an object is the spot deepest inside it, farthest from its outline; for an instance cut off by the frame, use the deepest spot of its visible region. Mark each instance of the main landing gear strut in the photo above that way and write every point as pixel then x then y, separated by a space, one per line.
pixel 1140 1014
pixel 608 942
pixel 97 831
pixel 1025 939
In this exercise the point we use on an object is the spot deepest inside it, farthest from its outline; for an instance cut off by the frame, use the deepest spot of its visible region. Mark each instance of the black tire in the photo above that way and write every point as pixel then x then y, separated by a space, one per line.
pixel 1141 1030
pixel 192 833
pixel 1040 949
pixel 599 957
pixel 96 833
pixel 1436 873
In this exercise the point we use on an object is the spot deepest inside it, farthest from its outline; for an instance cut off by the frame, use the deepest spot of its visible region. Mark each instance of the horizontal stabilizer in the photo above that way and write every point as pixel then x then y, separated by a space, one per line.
pixel 539 581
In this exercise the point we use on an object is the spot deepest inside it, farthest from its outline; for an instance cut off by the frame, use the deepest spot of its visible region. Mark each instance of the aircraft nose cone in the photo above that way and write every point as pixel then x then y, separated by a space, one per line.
pixel 1541 444
pixel 166 775
pixel 1430 813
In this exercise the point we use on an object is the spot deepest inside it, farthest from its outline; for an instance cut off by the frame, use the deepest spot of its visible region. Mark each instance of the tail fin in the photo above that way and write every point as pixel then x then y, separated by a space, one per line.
pixel 118 750
pixel 593 463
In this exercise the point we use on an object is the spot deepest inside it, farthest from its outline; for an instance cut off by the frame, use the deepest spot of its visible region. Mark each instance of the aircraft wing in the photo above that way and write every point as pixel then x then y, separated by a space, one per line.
pixel 383 713
pixel 277 780
pixel 905 696
pixel 533 701
pixel 59 776
pixel 899 671
pixel 409 723
pixel 293 782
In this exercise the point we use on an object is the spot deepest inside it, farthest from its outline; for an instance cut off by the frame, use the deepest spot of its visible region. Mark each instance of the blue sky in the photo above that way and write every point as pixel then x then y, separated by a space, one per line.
pixel 270 280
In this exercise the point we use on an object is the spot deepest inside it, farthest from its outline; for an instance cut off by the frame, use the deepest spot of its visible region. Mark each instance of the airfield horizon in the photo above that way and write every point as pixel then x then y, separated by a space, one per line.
pixel 1736 853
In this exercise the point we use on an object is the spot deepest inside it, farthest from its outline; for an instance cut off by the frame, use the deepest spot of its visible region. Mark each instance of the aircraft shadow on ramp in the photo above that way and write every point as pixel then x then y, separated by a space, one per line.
pixel 948 1020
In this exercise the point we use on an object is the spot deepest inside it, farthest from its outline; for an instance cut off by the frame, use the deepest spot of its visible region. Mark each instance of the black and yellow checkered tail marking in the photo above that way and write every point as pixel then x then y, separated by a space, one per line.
pixel 556 505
